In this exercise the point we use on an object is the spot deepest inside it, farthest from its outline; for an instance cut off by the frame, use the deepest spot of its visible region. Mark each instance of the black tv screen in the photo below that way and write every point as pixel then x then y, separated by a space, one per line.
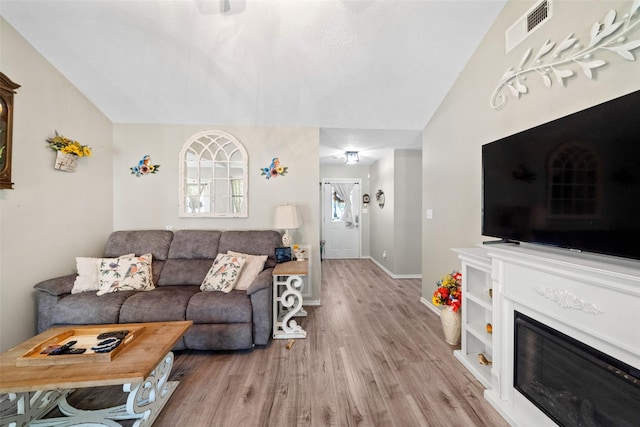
pixel 572 183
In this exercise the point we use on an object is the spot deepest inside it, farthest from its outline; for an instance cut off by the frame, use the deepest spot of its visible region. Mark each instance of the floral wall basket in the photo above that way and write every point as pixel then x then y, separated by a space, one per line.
pixel 66 162
pixel 68 152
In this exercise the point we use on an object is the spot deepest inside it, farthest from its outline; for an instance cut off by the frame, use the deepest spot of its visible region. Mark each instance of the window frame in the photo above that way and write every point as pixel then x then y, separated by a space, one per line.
pixel 575 191
pixel 212 144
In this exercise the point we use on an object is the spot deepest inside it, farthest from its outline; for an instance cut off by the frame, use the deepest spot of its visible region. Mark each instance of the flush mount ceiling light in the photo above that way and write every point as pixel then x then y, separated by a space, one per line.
pixel 351 157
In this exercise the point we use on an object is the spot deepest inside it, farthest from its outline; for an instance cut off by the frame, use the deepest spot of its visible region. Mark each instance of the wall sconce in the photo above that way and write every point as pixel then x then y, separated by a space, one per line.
pixel 351 157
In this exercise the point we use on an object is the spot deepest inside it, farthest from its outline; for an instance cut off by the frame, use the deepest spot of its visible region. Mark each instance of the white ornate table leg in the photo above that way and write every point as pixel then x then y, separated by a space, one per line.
pixel 20 409
pixel 150 397
pixel 291 301
pixel 144 403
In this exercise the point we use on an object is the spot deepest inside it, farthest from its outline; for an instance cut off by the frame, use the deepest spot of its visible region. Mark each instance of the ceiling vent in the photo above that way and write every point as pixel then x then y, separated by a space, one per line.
pixel 528 23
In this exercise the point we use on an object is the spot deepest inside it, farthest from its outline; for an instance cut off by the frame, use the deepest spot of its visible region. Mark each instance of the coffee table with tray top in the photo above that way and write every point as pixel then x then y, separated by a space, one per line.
pixel 31 386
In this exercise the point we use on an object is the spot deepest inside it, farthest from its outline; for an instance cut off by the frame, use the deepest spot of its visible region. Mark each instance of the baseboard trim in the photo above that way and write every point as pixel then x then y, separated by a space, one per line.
pixel 313 302
pixel 430 305
pixel 393 275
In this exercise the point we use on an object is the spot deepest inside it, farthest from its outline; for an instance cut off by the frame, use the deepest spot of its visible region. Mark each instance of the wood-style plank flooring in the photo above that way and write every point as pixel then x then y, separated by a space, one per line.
pixel 374 356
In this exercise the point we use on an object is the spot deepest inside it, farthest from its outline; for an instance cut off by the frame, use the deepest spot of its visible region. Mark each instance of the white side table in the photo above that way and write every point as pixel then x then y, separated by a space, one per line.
pixel 287 299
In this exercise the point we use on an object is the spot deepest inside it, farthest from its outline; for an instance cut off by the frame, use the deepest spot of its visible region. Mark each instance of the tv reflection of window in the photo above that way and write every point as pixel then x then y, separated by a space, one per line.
pixel 574 180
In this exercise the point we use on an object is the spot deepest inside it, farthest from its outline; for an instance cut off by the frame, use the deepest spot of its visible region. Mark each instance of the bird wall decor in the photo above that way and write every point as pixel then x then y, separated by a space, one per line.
pixel 144 167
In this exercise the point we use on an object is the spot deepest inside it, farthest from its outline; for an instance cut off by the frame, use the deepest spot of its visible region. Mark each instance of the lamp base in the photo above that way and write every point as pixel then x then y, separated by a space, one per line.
pixel 286 239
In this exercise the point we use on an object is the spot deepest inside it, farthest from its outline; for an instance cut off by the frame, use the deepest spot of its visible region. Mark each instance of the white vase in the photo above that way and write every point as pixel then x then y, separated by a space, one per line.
pixel 451 322
pixel 66 162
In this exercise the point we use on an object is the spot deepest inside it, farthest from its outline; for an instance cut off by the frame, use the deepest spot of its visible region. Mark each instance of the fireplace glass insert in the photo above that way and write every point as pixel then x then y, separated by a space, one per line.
pixel 574 384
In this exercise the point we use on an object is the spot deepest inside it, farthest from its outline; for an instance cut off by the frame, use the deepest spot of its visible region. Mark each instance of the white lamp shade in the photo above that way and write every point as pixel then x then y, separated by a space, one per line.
pixel 286 218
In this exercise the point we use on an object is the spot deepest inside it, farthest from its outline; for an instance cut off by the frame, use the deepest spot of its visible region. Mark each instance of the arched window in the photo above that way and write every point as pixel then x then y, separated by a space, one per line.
pixel 213 176
pixel 574 182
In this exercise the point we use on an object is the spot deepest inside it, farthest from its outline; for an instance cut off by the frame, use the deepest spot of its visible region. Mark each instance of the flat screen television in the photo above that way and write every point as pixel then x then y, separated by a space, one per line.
pixel 572 183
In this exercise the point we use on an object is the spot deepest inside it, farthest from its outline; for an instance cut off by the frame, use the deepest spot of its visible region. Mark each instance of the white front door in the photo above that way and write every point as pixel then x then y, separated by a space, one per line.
pixel 341 234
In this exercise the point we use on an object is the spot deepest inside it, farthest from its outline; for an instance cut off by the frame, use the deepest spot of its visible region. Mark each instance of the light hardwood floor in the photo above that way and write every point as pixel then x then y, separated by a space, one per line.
pixel 374 356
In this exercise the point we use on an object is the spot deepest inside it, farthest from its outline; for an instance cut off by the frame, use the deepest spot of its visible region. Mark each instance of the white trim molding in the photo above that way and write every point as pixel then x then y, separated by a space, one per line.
pixel 393 275
pixel 430 306
pixel 566 299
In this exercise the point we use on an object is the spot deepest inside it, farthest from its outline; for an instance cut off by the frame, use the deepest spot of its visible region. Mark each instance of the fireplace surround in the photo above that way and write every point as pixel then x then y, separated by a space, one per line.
pixel 593 301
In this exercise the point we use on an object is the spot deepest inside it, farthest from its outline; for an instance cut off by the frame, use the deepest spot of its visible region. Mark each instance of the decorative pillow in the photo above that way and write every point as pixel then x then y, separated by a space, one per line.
pixel 125 274
pixel 253 265
pixel 223 274
pixel 87 278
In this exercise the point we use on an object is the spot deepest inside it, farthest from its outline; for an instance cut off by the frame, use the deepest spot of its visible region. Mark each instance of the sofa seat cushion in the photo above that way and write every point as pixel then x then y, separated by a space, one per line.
pixel 163 304
pixel 220 307
pixel 86 308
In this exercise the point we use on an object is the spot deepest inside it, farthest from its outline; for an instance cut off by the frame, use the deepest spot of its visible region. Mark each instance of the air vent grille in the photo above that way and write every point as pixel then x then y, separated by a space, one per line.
pixel 530 21
pixel 538 15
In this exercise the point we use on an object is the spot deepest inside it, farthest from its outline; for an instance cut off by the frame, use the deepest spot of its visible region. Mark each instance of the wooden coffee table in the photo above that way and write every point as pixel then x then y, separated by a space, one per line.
pixel 27 393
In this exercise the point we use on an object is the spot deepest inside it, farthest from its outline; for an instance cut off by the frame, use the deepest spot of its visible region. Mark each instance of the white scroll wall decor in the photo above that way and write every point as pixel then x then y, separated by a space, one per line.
pixel 551 61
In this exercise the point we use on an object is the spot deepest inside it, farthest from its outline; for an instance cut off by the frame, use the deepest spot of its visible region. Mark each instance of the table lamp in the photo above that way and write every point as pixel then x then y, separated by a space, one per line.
pixel 286 218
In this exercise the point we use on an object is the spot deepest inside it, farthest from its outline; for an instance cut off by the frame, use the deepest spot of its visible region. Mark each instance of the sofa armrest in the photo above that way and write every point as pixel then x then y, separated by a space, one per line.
pixel 262 281
pixel 261 294
pixel 57 286
pixel 50 292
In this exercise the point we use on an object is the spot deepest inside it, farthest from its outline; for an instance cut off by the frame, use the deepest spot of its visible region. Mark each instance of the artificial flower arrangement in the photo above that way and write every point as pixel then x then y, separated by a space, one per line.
pixel 68 146
pixel 448 292
pixel 298 252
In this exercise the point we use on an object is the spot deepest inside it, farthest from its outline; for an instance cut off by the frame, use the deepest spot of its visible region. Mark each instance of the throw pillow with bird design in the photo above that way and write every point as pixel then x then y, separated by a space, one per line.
pixel 126 274
pixel 223 274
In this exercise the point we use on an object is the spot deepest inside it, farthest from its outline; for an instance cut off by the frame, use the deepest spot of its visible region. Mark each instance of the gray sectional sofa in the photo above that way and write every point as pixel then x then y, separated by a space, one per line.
pixel 236 320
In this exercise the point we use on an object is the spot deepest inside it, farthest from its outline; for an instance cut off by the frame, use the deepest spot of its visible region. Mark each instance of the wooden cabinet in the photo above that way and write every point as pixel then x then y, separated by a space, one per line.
pixel 477 313
pixel 7 90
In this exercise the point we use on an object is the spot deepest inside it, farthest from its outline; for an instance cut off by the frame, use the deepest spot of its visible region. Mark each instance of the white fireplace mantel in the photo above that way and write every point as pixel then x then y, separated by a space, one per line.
pixel 594 299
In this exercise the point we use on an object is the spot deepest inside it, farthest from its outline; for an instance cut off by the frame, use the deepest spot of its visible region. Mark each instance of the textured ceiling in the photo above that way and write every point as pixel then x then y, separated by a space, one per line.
pixel 349 66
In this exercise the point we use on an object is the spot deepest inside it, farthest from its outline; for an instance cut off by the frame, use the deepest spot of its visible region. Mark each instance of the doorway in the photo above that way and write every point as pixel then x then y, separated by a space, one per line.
pixel 341 218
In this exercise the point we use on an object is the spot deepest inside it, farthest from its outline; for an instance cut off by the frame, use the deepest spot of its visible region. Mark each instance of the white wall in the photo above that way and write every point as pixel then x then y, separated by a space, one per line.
pixel 50 217
pixel 151 201
pixel 382 219
pixel 408 212
pixel 396 228
pixel 464 121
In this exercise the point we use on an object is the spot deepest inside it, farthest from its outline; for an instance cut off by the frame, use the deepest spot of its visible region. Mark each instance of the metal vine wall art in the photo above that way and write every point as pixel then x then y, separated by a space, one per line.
pixel 607 35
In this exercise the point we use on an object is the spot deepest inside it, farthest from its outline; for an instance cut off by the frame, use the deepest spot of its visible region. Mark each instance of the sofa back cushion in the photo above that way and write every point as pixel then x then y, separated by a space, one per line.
pixel 190 257
pixel 263 242
pixel 140 242
pixel 195 244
